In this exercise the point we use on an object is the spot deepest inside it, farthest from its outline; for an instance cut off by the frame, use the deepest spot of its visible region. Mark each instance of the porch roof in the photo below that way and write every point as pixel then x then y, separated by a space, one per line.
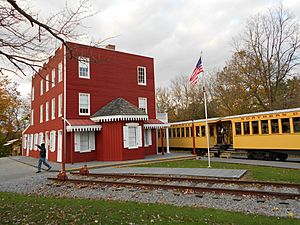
pixel 155 123
pixel 82 125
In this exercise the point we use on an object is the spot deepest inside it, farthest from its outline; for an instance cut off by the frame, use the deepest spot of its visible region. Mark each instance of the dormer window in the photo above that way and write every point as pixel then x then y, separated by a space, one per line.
pixel 84 67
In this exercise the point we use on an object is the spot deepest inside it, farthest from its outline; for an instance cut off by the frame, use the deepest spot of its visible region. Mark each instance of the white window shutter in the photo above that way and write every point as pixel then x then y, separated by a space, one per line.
pixel 47 140
pixel 92 140
pixel 139 136
pixel 125 137
pixel 54 141
pixel 77 141
pixel 149 137
pixel 31 142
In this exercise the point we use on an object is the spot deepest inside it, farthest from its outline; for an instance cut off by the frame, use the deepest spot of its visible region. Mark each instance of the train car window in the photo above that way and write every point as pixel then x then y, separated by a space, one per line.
pixel 238 129
pixel 182 132
pixel 197 131
pixel 296 122
pixel 246 127
pixel 211 131
pixel 203 131
pixel 274 126
pixel 264 127
pixel 158 133
pixel 285 124
pixel 187 132
pixel 170 133
pixel 178 132
pixel 254 127
pixel 174 132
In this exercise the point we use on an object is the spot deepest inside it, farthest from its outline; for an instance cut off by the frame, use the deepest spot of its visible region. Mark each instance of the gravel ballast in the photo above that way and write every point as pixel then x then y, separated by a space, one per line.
pixel 38 184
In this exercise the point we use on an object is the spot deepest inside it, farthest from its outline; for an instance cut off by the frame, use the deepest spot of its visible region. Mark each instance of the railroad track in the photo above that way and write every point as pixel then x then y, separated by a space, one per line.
pixel 192 184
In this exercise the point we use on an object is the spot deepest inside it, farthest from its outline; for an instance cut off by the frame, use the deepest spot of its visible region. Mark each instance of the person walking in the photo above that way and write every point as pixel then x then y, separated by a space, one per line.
pixel 42 158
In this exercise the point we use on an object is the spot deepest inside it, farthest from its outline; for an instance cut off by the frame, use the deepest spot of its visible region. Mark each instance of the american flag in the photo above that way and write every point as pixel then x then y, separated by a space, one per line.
pixel 198 69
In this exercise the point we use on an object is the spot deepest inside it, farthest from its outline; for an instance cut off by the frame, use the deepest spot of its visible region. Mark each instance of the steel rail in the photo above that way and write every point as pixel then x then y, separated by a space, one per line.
pixel 280 195
pixel 191 179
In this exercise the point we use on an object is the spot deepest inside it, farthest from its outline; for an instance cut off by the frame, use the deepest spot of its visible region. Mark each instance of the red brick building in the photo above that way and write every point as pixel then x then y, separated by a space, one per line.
pixel 93 103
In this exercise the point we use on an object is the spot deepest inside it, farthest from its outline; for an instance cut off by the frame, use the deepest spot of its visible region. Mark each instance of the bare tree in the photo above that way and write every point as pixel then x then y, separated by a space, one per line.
pixel 27 40
pixel 181 101
pixel 269 55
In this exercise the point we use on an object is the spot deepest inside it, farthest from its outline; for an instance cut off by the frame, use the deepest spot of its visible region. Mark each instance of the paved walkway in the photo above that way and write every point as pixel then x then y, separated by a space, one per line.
pixel 13 170
pixel 99 164
pixel 114 167
pixel 19 166
pixel 202 172
pixel 280 164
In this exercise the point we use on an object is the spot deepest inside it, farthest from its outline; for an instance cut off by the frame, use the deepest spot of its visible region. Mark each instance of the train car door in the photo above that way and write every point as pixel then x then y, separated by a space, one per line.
pixel 224 133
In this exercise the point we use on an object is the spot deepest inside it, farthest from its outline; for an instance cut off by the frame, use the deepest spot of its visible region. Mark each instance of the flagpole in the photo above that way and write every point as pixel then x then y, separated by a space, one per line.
pixel 194 79
pixel 206 120
pixel 206 126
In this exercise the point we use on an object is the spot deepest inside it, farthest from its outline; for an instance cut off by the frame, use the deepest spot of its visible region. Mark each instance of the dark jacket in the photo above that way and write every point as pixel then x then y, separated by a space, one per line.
pixel 42 150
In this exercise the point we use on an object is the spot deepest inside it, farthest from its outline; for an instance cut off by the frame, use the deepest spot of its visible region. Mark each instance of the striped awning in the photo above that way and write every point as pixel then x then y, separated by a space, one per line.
pixel 155 124
pixel 82 125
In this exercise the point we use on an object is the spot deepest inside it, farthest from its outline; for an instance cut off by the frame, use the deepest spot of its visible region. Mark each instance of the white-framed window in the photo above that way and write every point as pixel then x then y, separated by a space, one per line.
pixel 41 113
pixel 42 86
pixel 32 116
pixel 84 67
pixel 59 105
pixel 47 111
pixel 47 82
pixel 32 94
pixel 53 78
pixel 53 108
pixel 41 138
pixel 147 137
pixel 84 104
pixel 84 141
pixel 132 135
pixel 52 140
pixel 36 141
pixel 59 72
pixel 143 104
pixel 141 75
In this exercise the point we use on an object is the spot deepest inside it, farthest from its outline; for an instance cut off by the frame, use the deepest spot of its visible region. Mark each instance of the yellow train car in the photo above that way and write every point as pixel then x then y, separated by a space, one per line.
pixel 265 135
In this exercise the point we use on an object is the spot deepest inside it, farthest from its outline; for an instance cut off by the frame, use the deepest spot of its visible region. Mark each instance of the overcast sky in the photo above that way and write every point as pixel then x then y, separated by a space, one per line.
pixel 173 32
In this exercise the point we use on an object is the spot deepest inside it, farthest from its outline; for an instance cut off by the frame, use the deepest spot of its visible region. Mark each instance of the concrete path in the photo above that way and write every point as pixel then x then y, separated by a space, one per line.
pixel 202 172
pixel 98 164
pixel 280 164
pixel 13 170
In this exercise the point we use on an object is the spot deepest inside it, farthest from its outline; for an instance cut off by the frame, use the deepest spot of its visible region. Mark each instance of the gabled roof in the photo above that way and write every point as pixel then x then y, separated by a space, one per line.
pixel 119 109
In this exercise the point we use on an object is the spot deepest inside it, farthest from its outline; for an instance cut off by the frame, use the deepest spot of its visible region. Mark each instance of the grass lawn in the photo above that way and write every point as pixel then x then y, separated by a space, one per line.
pixel 31 209
pixel 262 173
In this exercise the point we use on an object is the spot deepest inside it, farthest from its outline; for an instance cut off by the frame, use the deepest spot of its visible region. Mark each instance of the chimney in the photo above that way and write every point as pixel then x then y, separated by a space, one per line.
pixel 110 47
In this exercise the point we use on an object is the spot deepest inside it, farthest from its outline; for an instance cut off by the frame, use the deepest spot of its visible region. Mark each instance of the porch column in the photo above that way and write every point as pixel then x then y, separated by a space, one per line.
pixel 72 147
pixel 167 140
pixel 162 135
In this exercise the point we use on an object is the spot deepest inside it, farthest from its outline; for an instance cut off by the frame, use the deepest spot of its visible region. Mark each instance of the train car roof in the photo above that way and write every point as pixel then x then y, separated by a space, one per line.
pixel 216 119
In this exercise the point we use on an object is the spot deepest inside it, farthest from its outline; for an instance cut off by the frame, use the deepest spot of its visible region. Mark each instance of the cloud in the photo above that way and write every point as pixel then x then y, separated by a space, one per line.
pixel 173 32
